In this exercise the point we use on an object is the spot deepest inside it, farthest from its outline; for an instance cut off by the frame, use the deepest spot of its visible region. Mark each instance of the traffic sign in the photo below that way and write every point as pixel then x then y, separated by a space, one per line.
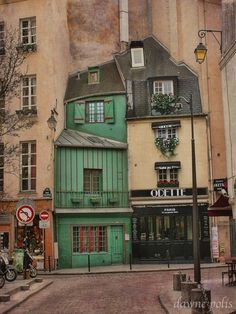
pixel 44 215
pixel 44 224
pixel 25 214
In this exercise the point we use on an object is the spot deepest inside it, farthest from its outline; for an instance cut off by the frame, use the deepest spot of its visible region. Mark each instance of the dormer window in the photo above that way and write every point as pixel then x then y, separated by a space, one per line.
pixel 137 56
pixel 93 75
pixel 163 87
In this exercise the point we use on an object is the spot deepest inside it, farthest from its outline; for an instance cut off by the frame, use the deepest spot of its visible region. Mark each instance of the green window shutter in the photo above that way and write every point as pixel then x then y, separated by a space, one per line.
pixel 79 113
pixel 109 111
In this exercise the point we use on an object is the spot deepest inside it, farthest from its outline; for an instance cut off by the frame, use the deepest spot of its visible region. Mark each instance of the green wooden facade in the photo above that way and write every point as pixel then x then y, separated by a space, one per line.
pixel 93 223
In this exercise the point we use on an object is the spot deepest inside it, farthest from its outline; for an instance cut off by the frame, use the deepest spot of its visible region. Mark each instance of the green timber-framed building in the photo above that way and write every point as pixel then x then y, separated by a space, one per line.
pixel 92 213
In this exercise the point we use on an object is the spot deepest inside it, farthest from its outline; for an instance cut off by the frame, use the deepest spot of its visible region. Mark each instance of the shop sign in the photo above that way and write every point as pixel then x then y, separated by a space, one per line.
pixel 47 193
pixel 167 192
pixel 220 184
pixel 44 224
pixel 25 214
pixel 215 242
pixel 170 210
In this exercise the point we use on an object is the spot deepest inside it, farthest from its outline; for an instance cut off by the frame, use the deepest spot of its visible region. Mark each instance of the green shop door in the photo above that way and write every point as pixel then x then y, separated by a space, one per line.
pixel 117 248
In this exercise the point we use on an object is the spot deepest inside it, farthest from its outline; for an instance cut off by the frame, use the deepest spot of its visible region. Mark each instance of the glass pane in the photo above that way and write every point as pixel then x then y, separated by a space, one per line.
pixel 24 147
pixel 33 172
pixel 33 184
pixel 25 172
pixel 143 235
pixel 150 228
pixel 25 160
pixel 33 159
pixel 25 24
pixel 24 185
pixel 33 148
pixel 189 228
pixel 159 228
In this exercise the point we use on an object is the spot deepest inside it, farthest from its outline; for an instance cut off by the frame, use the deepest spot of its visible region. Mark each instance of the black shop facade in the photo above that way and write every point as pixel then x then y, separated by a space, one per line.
pixel 162 226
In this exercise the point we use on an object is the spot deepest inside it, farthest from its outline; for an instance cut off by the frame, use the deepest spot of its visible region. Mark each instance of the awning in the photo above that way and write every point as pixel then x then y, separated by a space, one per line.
pixel 166 124
pixel 220 208
pixel 167 165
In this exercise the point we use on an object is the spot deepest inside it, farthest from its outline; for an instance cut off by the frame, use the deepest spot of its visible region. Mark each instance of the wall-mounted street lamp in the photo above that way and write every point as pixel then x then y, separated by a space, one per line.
pixel 52 122
pixel 196 246
pixel 201 50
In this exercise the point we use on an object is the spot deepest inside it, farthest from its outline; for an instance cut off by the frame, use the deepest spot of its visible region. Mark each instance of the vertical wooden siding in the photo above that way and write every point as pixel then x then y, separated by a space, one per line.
pixel 70 163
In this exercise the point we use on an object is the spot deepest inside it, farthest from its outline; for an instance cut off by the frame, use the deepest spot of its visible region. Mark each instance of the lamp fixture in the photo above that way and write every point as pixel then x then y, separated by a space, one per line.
pixel 201 50
pixel 52 122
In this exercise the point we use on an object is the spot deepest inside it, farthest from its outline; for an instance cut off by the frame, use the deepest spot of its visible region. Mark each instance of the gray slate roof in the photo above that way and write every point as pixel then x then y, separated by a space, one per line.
pixel 110 83
pixel 158 64
pixel 72 138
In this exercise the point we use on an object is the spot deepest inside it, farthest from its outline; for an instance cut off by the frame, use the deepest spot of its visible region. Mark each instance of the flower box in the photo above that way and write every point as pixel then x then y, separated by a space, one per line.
pixel 170 184
pixel 95 199
pixel 76 199
pixel 113 200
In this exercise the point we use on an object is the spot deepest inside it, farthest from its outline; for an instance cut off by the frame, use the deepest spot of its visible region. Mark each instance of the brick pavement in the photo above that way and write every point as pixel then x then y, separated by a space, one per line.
pixel 123 292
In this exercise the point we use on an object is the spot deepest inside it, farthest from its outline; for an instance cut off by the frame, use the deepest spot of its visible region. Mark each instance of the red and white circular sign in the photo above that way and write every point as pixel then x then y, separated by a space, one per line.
pixel 44 215
pixel 25 214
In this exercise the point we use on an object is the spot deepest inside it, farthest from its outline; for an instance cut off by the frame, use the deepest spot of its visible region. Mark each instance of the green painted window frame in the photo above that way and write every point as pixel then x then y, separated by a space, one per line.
pixel 89 239
pixel 92 181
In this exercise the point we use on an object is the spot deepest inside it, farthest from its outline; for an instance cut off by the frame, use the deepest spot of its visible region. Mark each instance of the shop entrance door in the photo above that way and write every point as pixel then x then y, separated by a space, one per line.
pixel 117 247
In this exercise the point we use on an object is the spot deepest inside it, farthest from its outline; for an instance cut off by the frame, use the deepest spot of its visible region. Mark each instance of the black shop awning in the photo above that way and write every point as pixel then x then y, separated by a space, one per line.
pixel 220 208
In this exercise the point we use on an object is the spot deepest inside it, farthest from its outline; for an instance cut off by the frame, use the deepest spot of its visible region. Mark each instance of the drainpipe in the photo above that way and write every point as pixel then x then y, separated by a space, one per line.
pixel 124 24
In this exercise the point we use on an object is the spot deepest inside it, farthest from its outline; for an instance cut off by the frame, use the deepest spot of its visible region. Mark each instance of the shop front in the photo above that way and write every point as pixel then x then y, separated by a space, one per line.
pixel 164 232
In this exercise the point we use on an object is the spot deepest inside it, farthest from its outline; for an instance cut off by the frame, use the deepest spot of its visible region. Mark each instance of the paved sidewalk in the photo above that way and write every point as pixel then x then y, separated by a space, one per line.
pixel 222 296
pixel 126 268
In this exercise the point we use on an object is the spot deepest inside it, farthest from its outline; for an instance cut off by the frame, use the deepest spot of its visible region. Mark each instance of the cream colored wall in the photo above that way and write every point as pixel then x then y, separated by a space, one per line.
pixel 51 65
pixel 143 154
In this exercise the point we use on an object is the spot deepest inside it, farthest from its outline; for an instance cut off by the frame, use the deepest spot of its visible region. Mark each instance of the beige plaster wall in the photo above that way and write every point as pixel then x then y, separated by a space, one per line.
pixel 143 154
pixel 51 65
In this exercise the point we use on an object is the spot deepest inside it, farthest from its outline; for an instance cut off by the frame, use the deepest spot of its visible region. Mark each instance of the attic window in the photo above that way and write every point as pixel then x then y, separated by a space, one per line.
pixel 137 57
pixel 93 75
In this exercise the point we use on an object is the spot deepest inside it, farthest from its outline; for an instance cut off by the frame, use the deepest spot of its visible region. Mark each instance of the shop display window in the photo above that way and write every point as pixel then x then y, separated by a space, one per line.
pixel 4 241
pixel 34 240
pixel 171 227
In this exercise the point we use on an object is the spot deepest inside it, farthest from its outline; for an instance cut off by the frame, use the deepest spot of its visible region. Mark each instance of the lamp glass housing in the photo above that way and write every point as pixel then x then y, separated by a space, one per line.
pixel 200 53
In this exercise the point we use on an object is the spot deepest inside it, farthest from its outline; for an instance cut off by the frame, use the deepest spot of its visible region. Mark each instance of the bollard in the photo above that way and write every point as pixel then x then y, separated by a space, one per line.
pixel 186 287
pixel 177 279
pixel 200 301
pixel 130 262
pixel 89 263
pixel 49 263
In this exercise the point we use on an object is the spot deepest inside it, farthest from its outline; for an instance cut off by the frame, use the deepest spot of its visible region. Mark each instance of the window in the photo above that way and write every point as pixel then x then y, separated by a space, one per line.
pixel 137 57
pixel 168 173
pixel 163 227
pixel 170 132
pixel 2 104
pixel 28 31
pixel 89 239
pixel 92 180
pixel 28 166
pixel 28 97
pixel 163 87
pixel 95 112
pixel 93 75
pixel 1 167
pixel 2 42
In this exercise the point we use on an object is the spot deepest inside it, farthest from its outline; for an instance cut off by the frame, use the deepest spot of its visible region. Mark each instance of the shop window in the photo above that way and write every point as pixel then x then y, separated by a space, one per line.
pixel 34 237
pixel 4 241
pixel 189 227
pixel 92 180
pixel 88 239
pixel 164 227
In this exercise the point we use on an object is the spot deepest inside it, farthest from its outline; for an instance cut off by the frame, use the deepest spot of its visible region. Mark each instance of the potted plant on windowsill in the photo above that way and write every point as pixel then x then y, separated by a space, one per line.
pixel 165 183
pixel 95 199
pixel 167 145
pixel 164 103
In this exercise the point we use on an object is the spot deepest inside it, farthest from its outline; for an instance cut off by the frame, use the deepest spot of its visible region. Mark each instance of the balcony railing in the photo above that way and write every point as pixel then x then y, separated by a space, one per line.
pixel 88 200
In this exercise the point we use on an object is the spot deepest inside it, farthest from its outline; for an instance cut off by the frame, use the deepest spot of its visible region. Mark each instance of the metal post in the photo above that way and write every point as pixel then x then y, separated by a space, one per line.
pixel 89 263
pixel 130 261
pixel 196 251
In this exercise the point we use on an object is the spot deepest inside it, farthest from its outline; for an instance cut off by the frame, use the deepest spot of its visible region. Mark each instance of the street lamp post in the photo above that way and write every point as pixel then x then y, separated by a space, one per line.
pixel 196 247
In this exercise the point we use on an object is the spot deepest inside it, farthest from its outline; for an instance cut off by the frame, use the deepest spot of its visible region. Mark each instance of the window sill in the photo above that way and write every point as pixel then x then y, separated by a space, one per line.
pixel 27 112
pixel 27 48
pixel 31 193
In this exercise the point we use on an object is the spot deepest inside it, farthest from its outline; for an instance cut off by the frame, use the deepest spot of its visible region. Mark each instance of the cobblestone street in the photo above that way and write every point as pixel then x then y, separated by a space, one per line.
pixel 122 293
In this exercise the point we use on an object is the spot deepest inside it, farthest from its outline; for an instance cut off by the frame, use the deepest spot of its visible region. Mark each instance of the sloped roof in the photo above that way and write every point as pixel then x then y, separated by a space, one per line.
pixel 72 138
pixel 110 83
pixel 158 64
